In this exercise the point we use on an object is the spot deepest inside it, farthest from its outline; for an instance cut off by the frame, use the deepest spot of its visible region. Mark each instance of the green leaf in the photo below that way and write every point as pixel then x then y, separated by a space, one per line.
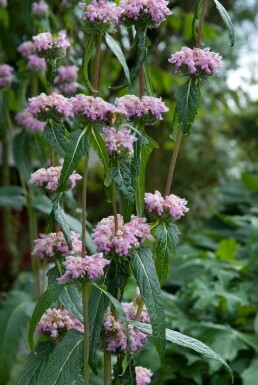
pixel 13 197
pixel 117 277
pixel 143 268
pixel 127 208
pixel 65 362
pixel 121 175
pixel 22 155
pixel 196 17
pixel 99 146
pixel 226 18
pixel 36 363
pixel 75 150
pixel 249 375
pixel 147 78
pixel 89 50
pixel 227 249
pixel 142 154
pixel 49 297
pixel 54 132
pixel 188 342
pixel 187 103
pixel 14 316
pixel 57 202
pixel 127 375
pixel 115 48
pixel 167 238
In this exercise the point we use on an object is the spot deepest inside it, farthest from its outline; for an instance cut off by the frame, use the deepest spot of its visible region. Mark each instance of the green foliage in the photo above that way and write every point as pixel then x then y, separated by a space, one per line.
pixel 21 155
pixel 121 174
pixel 125 376
pixel 59 215
pixel 226 18
pixel 99 145
pixel 13 197
pixel 89 50
pixel 54 133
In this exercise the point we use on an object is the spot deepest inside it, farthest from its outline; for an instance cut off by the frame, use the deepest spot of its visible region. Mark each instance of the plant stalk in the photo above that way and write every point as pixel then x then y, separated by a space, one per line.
pixel 199 35
pixel 97 65
pixel 141 82
pixel 114 206
pixel 173 163
pixel 107 367
pixel 139 310
pixel 85 303
pixel 84 206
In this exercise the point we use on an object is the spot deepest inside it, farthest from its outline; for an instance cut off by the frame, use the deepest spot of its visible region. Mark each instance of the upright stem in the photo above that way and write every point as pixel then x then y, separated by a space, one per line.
pixel 199 35
pixel 107 367
pixel 141 82
pixel 114 206
pixel 139 310
pixel 173 163
pixel 97 65
pixel 85 303
pixel 84 206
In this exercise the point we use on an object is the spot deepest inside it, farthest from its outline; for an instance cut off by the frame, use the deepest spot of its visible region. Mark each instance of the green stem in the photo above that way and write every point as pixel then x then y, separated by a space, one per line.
pixel 141 82
pixel 139 310
pixel 107 367
pixel 97 65
pixel 85 303
pixel 84 206
pixel 199 35
pixel 173 163
pixel 114 206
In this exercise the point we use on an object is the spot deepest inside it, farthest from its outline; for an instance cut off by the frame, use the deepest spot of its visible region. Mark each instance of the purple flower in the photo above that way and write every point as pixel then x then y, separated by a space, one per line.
pixel 89 109
pixel 26 49
pixel 199 62
pixel 171 204
pixel 54 244
pixel 66 79
pixel 36 64
pixel 119 143
pixel 130 310
pixel 39 9
pixel 6 75
pixel 147 109
pixel 27 121
pixel 56 321
pixel 90 267
pixel 154 202
pixel 49 178
pixel 143 375
pixel 149 12
pixel 49 46
pixel 128 235
pixel 52 106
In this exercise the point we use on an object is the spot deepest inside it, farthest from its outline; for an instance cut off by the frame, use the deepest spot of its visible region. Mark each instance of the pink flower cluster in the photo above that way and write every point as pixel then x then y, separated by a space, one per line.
pixel 40 9
pixel 6 75
pixel 90 267
pixel 54 244
pixel 49 178
pixel 148 108
pixel 26 49
pixel 196 61
pixel 27 121
pixel 34 63
pixel 175 206
pixel 143 375
pixel 130 310
pixel 66 79
pixel 90 109
pixel 148 11
pixel 128 235
pixel 56 321
pixel 50 46
pixel 115 335
pixel 119 143
pixel 52 106
pixel 102 11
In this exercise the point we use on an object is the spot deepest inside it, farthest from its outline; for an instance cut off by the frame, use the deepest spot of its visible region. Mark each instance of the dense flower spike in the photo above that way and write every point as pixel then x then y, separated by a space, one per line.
pixel 143 375
pixel 66 79
pixel 56 321
pixel 49 178
pixel 51 47
pixel 27 121
pixel 119 143
pixel 52 106
pixel 129 235
pixel 36 64
pixel 198 62
pixel 149 12
pixel 54 244
pixel 172 204
pixel 40 9
pixel 114 333
pixel 26 49
pixel 147 109
pixel 89 109
pixel 90 267
pixel 6 76
pixel 100 16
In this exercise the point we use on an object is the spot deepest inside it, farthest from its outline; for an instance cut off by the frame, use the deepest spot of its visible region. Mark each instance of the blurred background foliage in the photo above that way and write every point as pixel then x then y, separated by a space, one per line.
pixel 211 293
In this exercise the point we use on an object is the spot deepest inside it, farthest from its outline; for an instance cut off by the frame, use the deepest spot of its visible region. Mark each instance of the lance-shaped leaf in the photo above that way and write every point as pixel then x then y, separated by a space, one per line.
pixel 187 103
pixel 13 197
pixel 89 50
pixel 75 149
pixel 99 146
pixel 147 78
pixel 121 175
pixel 49 297
pixel 57 202
pixel 186 341
pixel 166 239
pixel 36 363
pixel 22 155
pixel 144 271
pixel 54 132
pixel 14 316
pixel 115 48
pixel 64 365
pixel 124 371
pixel 196 17
pixel 226 18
